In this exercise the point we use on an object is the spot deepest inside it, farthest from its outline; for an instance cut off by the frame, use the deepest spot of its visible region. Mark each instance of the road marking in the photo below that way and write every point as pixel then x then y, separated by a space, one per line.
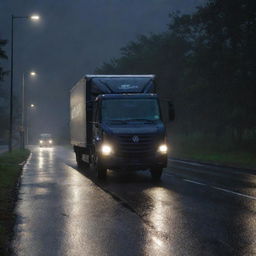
pixel 179 176
pixel 27 161
pixel 195 182
pixel 215 173
pixel 169 174
pixel 214 187
pixel 185 162
pixel 213 168
pixel 234 193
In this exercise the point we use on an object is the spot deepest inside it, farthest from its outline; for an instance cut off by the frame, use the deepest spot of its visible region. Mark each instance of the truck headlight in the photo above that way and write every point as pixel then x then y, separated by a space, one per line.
pixel 40 141
pixel 50 141
pixel 106 150
pixel 163 149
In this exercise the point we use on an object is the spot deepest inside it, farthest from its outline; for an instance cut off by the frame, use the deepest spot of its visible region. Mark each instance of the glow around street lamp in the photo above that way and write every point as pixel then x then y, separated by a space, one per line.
pixel 35 17
pixel 32 105
pixel 32 73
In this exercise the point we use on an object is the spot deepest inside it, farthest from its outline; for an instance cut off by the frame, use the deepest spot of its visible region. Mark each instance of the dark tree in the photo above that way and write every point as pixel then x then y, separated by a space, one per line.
pixel 205 63
pixel 3 73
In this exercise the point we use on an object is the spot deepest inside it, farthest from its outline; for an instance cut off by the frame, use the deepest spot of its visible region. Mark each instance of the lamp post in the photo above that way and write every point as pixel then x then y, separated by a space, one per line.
pixel 31 106
pixel 33 18
pixel 22 132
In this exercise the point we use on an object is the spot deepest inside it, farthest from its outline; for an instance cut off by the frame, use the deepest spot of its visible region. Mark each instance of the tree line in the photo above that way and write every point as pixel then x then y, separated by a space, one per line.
pixel 205 64
pixel 3 110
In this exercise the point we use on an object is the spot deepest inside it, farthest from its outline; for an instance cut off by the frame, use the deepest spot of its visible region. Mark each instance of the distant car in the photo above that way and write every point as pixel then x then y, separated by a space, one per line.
pixel 45 140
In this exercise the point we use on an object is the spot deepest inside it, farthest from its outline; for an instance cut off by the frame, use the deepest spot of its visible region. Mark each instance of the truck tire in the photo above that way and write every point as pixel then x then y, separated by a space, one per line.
pixel 101 173
pixel 100 169
pixel 156 173
pixel 79 158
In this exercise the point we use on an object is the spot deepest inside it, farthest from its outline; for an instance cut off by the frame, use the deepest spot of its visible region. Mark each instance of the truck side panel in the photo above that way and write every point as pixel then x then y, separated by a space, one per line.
pixel 78 114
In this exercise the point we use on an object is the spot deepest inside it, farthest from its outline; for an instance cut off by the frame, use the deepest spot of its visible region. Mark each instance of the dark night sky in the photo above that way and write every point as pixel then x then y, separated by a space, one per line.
pixel 72 39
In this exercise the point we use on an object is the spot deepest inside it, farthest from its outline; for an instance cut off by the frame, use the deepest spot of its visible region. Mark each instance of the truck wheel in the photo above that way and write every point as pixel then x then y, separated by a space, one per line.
pixel 156 173
pixel 101 173
pixel 101 170
pixel 79 159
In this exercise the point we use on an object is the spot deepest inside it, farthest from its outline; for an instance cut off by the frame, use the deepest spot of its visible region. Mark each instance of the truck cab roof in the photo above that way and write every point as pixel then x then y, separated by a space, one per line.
pixel 126 95
pixel 115 84
pixel 94 85
pixel 120 76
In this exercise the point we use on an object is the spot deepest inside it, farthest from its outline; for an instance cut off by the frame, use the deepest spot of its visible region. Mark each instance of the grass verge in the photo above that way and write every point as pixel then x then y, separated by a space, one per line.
pixel 10 170
pixel 212 150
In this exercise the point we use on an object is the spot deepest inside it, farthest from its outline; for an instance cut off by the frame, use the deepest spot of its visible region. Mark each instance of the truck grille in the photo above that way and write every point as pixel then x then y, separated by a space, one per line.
pixel 136 145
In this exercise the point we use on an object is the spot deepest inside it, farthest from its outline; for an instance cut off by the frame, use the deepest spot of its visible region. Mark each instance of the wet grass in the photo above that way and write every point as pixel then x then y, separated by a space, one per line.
pixel 213 150
pixel 10 170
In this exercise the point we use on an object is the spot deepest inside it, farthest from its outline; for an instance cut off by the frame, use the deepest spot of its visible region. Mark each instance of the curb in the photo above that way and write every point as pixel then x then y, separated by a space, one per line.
pixel 15 192
pixel 21 165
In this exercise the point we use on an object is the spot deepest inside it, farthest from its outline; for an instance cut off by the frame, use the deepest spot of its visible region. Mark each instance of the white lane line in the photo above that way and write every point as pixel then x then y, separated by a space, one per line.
pixel 213 168
pixel 234 193
pixel 185 162
pixel 217 188
pixel 169 174
pixel 191 181
pixel 27 161
pixel 195 182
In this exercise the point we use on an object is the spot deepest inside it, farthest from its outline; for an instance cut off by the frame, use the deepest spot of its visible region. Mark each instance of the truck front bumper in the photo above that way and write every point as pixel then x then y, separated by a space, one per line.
pixel 45 144
pixel 118 162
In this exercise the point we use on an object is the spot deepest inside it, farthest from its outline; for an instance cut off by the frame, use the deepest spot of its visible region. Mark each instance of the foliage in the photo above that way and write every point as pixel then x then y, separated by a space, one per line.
pixel 2 56
pixel 208 149
pixel 3 73
pixel 10 171
pixel 205 63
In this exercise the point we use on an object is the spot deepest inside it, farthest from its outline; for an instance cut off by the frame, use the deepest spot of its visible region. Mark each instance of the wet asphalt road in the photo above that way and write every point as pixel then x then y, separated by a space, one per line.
pixel 194 210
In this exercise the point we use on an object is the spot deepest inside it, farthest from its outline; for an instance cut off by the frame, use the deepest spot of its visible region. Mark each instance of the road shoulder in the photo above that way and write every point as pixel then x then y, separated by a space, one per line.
pixel 11 165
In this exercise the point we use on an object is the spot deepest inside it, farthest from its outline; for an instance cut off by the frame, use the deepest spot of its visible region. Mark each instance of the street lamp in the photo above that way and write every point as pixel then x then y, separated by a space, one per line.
pixel 33 18
pixel 32 107
pixel 22 131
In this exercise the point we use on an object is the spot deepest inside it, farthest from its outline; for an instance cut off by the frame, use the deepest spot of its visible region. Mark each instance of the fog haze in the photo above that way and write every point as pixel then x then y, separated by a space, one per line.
pixel 72 39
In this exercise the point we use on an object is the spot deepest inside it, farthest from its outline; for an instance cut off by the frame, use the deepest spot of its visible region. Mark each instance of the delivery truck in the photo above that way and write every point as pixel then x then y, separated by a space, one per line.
pixel 116 123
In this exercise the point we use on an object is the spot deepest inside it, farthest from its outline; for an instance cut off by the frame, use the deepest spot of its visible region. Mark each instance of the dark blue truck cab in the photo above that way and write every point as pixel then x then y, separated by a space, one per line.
pixel 116 123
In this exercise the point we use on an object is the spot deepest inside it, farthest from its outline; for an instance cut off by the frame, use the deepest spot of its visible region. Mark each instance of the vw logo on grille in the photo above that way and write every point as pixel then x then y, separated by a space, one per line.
pixel 135 139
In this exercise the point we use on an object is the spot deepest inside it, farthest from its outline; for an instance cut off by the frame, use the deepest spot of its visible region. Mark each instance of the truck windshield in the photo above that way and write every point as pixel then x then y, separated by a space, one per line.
pixel 45 136
pixel 130 109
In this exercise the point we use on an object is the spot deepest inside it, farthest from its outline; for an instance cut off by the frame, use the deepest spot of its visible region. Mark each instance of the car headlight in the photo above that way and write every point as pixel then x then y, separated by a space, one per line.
pixel 40 141
pixel 163 149
pixel 50 141
pixel 106 150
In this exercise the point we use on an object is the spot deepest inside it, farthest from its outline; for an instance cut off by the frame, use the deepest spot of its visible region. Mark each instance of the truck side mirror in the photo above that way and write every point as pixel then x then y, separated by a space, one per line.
pixel 171 111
